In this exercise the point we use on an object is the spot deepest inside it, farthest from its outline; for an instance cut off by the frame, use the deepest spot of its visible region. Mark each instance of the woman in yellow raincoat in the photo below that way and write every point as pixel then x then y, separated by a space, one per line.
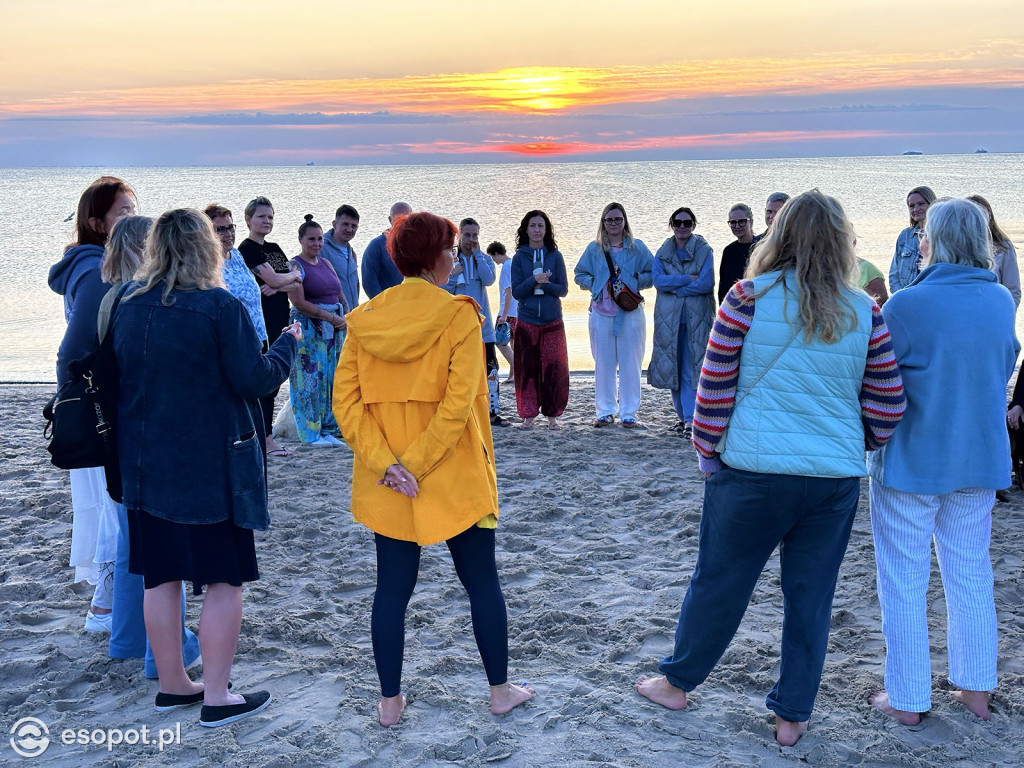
pixel 410 396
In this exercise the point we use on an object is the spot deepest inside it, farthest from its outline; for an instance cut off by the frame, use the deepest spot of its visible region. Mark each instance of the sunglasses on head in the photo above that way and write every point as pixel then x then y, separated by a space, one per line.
pixel 679 223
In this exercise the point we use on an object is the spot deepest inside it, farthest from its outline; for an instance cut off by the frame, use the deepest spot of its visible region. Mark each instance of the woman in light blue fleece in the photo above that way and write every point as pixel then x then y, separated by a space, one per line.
pixel 953 335
pixel 906 261
pixel 617 337
pixel 684 277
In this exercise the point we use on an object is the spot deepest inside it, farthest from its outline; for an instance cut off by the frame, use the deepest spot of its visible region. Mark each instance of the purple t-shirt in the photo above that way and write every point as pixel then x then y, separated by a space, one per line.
pixel 320 284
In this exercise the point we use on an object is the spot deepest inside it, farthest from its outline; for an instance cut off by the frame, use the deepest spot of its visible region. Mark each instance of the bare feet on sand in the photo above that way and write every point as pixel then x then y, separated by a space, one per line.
pixel 553 423
pixel 526 423
pixel 880 701
pixel 505 698
pixel 788 732
pixel 390 709
pixel 976 701
pixel 661 691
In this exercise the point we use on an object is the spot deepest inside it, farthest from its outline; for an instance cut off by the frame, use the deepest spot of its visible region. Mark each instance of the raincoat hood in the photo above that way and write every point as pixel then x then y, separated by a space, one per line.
pixel 400 326
pixel 76 262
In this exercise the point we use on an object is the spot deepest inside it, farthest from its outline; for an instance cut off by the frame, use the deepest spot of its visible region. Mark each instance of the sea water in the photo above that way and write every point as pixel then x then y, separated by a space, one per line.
pixel 34 203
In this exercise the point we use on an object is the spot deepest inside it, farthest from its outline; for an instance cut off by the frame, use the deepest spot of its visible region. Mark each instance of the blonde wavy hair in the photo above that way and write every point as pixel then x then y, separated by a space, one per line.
pixel 812 237
pixel 124 250
pixel 183 253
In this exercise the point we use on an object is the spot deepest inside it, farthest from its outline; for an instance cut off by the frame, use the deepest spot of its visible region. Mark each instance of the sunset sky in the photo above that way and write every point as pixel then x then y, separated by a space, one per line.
pixel 254 82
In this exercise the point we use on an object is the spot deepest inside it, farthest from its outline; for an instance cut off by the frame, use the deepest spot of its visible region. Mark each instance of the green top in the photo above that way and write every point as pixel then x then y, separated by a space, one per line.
pixel 868 272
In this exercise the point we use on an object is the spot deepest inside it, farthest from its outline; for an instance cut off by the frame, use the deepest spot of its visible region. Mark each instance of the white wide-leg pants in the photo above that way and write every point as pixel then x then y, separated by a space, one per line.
pixel 904 525
pixel 623 353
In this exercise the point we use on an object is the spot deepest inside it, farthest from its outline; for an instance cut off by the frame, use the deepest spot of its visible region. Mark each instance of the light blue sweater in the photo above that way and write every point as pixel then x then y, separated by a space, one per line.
pixel 477 273
pixel 952 331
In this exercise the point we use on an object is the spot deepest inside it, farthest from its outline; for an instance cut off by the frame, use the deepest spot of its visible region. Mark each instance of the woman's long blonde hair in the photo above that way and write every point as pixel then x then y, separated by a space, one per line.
pixel 125 246
pixel 182 252
pixel 812 236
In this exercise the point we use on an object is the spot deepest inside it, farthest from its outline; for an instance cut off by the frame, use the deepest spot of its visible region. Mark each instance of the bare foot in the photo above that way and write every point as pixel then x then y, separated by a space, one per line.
pixel 505 698
pixel 661 691
pixel 976 701
pixel 787 732
pixel 553 423
pixel 880 701
pixel 527 423
pixel 390 709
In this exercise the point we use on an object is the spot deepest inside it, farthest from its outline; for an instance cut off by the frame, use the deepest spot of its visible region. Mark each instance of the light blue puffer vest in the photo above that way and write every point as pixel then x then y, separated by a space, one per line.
pixel 803 416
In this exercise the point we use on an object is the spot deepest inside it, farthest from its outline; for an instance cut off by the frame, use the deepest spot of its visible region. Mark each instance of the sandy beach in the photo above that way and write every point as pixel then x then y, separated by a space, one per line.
pixel 596 542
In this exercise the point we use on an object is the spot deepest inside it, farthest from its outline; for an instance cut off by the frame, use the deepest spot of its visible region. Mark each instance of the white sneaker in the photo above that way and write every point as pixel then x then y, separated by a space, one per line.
pixel 98 622
pixel 331 439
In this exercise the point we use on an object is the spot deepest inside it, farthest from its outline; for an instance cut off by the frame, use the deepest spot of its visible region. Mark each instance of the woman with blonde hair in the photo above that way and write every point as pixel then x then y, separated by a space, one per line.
pixel 193 498
pixel 906 261
pixel 936 480
pixel 128 640
pixel 617 336
pixel 799 377
pixel 411 397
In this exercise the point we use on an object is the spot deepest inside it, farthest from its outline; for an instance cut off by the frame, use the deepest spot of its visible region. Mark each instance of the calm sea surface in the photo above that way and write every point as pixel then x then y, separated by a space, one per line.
pixel 872 189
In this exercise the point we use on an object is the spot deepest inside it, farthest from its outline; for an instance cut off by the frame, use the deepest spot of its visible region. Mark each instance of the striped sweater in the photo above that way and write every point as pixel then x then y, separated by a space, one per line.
pixel 882 400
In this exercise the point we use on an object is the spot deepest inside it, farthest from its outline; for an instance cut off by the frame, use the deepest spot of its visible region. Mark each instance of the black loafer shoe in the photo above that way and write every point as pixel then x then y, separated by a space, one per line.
pixel 214 717
pixel 168 701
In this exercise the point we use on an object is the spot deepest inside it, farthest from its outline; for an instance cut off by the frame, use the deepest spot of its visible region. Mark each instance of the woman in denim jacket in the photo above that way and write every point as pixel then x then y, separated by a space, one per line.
pixel 191 452
pixel 617 337
pixel 906 261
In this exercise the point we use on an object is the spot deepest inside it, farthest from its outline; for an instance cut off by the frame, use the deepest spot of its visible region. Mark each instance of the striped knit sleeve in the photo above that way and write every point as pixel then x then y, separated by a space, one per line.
pixel 882 400
pixel 716 391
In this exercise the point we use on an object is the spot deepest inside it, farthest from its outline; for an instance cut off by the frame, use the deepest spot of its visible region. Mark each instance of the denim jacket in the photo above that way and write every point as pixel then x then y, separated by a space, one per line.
pixel 906 261
pixel 190 429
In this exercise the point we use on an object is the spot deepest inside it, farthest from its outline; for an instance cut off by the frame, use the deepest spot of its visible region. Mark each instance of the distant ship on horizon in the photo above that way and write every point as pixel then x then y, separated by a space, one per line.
pixel 913 152
pixel 981 151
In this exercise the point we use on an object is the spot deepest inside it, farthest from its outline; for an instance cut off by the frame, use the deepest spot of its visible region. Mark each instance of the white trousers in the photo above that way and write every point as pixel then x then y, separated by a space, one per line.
pixel 623 353
pixel 904 525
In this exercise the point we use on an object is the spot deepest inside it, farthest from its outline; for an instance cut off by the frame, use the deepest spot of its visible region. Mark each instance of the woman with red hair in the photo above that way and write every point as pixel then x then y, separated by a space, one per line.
pixel 410 395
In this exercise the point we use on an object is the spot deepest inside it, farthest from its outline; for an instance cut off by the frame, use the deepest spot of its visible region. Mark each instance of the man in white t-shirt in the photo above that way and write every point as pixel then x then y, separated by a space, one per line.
pixel 508 307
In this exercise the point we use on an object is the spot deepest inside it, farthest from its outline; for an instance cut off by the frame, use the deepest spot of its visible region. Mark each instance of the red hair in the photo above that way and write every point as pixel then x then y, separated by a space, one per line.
pixel 415 242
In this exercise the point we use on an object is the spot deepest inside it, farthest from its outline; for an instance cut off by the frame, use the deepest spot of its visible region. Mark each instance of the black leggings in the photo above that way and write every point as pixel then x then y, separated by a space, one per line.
pixel 398 564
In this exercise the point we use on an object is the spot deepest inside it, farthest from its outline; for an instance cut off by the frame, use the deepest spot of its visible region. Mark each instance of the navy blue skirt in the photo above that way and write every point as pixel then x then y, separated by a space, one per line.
pixel 214 553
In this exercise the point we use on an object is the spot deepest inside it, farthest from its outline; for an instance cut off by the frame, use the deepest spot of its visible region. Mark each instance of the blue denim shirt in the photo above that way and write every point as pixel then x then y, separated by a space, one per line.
pixel 190 429
pixel 906 261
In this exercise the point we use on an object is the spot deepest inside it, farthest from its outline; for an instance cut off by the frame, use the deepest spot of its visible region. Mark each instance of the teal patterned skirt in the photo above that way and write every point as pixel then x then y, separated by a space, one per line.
pixel 312 376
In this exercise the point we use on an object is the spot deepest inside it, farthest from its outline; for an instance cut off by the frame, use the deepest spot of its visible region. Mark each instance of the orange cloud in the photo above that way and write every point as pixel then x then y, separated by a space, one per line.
pixel 541 90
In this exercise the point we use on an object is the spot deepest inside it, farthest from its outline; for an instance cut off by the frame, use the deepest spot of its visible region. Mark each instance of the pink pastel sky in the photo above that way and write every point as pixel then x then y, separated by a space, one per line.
pixel 199 83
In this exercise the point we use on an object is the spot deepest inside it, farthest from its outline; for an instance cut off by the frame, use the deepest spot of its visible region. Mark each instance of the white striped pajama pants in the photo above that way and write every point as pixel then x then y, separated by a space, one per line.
pixel 904 525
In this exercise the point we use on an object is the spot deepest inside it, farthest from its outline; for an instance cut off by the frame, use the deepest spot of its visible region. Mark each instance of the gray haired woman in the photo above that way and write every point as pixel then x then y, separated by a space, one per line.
pixel 953 335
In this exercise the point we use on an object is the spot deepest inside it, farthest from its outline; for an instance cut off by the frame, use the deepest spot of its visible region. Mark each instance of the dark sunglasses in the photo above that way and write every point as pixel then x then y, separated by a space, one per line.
pixel 678 223
pixel 224 230
pixel 614 220
pixel 737 222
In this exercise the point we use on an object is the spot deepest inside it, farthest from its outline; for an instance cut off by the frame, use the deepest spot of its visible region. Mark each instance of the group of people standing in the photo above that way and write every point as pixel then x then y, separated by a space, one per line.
pixel 800 373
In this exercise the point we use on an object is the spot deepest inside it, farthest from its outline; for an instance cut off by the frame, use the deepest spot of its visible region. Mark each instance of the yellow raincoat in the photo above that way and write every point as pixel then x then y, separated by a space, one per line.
pixel 411 387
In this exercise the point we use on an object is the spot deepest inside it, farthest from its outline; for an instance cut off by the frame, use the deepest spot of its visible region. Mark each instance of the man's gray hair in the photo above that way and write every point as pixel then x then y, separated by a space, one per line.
pixel 776 197
pixel 958 233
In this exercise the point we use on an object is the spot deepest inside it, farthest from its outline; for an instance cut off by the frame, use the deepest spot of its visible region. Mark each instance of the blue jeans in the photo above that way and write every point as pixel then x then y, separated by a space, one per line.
pixel 128 630
pixel 684 399
pixel 746 515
